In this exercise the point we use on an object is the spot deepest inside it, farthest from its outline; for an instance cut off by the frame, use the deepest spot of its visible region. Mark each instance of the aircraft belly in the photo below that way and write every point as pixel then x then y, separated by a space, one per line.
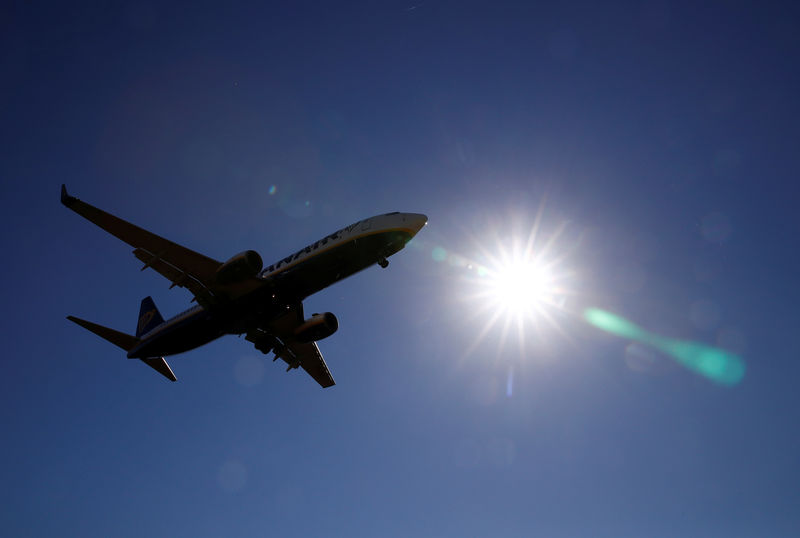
pixel 180 338
pixel 323 270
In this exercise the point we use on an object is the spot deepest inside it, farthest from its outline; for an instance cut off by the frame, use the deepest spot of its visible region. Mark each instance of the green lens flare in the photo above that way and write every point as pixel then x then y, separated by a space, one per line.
pixel 439 254
pixel 715 364
pixel 614 324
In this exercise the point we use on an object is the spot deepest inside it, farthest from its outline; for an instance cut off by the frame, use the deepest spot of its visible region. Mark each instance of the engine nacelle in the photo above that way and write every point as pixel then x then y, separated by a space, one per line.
pixel 317 327
pixel 244 265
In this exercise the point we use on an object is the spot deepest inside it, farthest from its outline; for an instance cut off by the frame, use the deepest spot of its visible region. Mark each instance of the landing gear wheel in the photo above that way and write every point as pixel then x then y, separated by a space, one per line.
pixel 383 262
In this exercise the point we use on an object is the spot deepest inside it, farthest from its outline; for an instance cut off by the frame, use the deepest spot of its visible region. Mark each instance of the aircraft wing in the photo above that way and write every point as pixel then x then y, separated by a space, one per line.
pixel 312 362
pixel 296 353
pixel 182 266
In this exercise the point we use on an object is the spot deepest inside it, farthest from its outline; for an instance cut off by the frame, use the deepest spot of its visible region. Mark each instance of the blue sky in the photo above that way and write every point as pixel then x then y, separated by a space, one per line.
pixel 655 142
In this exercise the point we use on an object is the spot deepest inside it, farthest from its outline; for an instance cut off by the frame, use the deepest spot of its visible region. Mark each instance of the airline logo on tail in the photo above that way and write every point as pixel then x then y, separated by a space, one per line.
pixel 145 320
pixel 149 317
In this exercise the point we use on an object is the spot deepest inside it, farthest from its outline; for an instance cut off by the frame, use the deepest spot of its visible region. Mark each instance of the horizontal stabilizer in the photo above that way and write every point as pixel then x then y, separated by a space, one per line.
pixel 160 365
pixel 119 339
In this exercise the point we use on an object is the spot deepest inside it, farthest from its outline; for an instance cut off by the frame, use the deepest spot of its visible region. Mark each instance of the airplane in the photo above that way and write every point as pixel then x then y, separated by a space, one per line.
pixel 240 296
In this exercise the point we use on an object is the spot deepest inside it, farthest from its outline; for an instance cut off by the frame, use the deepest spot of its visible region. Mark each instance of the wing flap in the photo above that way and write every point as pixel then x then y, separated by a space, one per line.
pixel 176 276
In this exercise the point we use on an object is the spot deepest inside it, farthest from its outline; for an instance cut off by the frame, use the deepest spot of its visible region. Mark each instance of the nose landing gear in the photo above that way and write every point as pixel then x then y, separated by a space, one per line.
pixel 383 262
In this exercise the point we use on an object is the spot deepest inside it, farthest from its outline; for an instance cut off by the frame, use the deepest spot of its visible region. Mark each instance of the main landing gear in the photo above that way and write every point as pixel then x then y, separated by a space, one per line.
pixel 266 343
pixel 262 341
pixel 383 262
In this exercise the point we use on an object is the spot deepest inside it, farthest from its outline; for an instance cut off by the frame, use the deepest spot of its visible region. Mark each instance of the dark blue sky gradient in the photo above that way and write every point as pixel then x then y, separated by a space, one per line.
pixel 662 136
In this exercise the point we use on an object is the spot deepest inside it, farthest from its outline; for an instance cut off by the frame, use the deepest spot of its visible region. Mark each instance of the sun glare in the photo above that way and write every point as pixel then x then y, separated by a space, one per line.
pixel 520 287
pixel 516 282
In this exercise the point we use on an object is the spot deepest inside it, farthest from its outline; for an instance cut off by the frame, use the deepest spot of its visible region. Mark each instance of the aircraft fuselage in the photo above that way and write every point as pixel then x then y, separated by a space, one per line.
pixel 287 282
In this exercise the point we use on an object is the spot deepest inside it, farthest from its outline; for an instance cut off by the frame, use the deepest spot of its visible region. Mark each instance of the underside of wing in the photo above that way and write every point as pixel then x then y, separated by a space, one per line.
pixel 182 266
pixel 280 333
pixel 177 276
pixel 312 362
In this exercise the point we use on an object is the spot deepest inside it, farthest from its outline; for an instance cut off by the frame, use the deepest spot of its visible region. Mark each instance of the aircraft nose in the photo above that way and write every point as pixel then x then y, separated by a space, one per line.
pixel 416 221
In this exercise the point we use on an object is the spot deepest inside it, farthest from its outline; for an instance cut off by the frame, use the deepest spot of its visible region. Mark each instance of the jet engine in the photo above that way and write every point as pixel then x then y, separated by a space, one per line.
pixel 244 265
pixel 317 327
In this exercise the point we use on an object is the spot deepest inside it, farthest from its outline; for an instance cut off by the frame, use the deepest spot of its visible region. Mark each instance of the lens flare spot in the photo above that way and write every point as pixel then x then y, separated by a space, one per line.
pixel 249 371
pixel 613 324
pixel 439 254
pixel 232 476
pixel 713 363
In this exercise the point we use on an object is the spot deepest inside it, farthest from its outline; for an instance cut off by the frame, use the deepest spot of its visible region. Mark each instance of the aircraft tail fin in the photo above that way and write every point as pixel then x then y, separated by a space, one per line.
pixel 149 317
pixel 119 339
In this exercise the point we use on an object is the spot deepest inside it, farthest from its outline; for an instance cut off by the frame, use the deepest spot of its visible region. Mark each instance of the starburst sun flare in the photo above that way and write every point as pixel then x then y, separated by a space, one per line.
pixel 521 287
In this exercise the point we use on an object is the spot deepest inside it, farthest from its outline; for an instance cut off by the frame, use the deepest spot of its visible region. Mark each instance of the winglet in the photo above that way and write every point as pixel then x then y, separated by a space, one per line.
pixel 66 199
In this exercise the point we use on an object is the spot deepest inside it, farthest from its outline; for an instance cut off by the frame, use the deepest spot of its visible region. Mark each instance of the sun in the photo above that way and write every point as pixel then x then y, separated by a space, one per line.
pixel 520 287
pixel 513 278
pixel 517 284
